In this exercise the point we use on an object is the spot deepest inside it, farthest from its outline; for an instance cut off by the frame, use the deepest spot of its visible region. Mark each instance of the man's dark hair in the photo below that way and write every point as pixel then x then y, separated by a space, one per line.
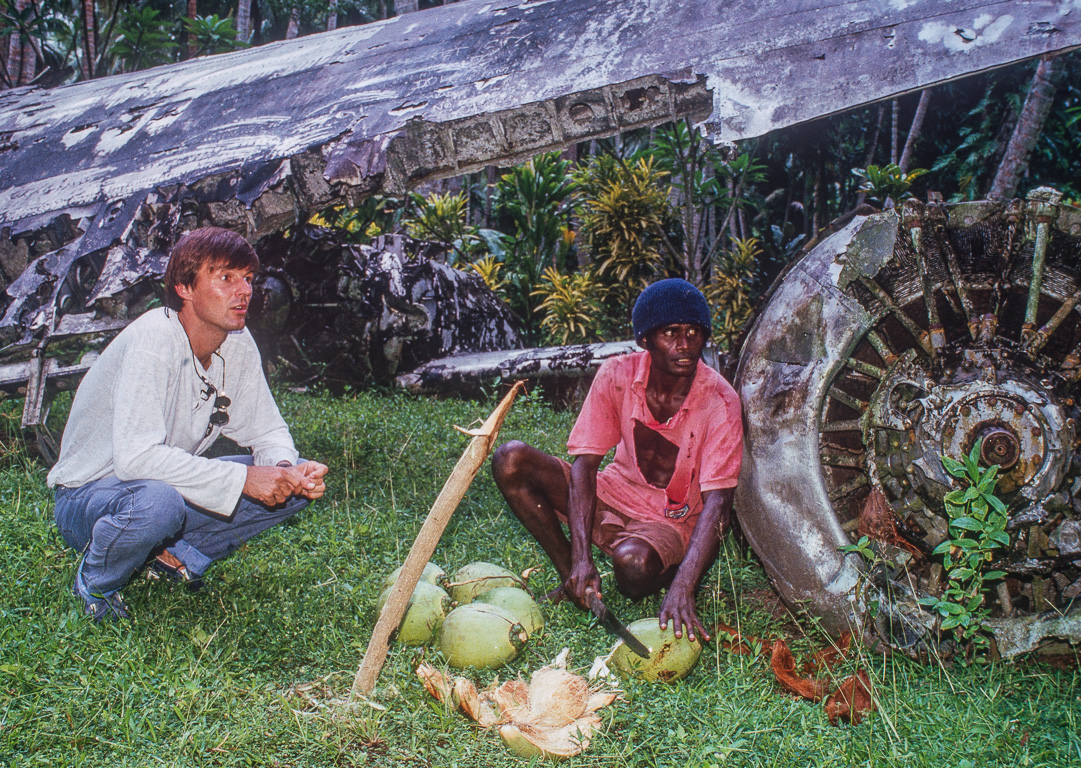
pixel 210 247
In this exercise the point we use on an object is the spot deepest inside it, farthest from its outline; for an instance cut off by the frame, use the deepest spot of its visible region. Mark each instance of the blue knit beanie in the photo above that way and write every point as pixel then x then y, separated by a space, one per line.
pixel 667 302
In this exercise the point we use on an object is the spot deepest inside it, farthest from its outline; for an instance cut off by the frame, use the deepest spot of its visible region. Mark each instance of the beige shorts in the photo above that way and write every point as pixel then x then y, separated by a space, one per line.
pixel 612 527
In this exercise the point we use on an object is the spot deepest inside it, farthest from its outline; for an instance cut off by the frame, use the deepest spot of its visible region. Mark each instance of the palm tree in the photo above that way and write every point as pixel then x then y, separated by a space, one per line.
pixel 90 38
pixel 243 20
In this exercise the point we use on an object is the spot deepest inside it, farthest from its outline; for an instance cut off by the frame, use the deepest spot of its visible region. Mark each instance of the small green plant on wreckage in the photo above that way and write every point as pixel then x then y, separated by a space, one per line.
pixel 977 528
pixel 887 184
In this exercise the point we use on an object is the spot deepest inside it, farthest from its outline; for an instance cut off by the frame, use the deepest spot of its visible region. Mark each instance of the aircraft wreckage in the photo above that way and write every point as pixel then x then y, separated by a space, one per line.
pixel 906 335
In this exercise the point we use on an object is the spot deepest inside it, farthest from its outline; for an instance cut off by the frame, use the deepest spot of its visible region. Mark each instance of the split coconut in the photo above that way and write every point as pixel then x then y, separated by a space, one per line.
pixel 475 579
pixel 670 658
pixel 425 613
pixel 480 635
pixel 519 604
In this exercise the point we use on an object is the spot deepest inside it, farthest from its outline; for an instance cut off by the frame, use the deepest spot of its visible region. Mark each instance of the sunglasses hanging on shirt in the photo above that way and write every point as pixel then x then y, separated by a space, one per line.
pixel 220 416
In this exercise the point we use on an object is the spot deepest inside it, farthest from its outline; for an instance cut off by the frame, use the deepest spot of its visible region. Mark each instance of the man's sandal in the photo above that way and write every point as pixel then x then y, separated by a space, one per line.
pixel 165 564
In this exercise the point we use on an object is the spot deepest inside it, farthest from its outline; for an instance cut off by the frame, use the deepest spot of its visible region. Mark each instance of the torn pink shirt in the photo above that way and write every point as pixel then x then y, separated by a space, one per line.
pixel 707 429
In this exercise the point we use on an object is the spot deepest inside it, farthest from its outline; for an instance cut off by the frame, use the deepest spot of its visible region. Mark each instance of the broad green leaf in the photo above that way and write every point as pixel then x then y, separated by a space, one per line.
pixel 961 573
pixel 942 548
pixel 1000 537
pixel 966 524
pixel 951 622
pixel 996 502
pixel 954 467
pixel 972 462
pixel 992 575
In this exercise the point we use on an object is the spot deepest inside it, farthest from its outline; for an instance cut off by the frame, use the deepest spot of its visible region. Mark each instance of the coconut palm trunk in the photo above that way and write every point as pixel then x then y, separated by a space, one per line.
pixel 243 20
pixel 193 14
pixel 294 23
pixel 90 39
pixel 1026 133
pixel 12 59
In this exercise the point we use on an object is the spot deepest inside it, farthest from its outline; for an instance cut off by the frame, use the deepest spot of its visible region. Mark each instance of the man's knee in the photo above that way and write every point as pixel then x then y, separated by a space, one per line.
pixel 638 568
pixel 157 506
pixel 508 463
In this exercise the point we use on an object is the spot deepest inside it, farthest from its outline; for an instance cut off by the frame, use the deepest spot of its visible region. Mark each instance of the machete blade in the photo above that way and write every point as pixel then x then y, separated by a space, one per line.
pixel 609 621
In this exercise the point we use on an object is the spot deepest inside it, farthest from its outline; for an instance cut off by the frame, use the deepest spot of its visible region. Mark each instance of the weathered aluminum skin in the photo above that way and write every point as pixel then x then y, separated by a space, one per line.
pixel 795 347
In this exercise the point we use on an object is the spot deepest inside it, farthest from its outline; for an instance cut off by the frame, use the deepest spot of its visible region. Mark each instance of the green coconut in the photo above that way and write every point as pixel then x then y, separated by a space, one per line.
pixel 432 574
pixel 518 603
pixel 425 613
pixel 480 635
pixel 670 658
pixel 477 578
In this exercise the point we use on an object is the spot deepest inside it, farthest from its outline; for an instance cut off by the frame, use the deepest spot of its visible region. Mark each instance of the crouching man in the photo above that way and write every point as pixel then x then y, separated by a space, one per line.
pixel 130 483
pixel 661 508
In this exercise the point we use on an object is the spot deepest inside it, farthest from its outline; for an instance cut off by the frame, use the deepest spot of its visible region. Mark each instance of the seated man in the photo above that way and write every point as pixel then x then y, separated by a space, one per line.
pixel 130 483
pixel 660 509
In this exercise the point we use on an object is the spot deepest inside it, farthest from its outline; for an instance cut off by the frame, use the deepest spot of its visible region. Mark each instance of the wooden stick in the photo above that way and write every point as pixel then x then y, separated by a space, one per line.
pixel 421 552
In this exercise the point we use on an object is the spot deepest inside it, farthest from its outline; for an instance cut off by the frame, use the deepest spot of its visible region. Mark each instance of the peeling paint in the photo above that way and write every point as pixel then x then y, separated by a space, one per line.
pixel 960 39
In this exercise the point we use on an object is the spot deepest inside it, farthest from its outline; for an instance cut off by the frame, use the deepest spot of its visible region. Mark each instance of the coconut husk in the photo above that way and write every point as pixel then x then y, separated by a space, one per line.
pixel 530 741
pixel 877 521
pixel 784 669
pixel 826 659
pixel 851 700
pixel 553 715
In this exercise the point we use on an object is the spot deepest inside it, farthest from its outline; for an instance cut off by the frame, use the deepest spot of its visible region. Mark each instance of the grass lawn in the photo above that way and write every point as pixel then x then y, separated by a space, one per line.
pixel 246 672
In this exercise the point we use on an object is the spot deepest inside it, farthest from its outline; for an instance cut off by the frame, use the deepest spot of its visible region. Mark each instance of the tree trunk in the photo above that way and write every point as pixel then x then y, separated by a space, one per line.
pixel 294 23
pixel 332 16
pixel 193 13
pixel 895 131
pixel 1026 133
pixel 869 158
pixel 13 58
pixel 90 39
pixel 914 131
pixel 243 20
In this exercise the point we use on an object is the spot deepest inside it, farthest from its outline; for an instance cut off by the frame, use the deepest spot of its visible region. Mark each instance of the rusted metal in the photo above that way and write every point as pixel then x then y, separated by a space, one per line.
pixel 803 371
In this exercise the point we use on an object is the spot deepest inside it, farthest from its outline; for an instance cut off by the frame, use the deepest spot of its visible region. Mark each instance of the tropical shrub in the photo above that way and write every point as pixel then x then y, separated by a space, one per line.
pixel 730 291
pixel 572 305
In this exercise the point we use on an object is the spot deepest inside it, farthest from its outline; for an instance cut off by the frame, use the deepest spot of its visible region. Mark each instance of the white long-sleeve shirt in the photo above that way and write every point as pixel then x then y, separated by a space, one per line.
pixel 142 411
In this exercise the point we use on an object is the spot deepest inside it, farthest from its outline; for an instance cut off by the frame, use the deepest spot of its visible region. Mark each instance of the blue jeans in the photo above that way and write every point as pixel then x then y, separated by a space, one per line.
pixel 119 524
